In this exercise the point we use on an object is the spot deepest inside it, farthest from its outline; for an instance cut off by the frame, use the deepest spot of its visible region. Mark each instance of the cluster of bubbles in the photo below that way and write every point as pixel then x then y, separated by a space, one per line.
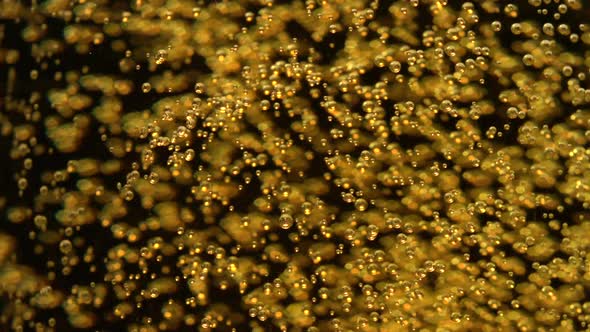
pixel 318 165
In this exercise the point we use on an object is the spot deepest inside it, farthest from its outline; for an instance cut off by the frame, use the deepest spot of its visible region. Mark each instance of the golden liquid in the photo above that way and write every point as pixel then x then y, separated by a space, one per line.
pixel 318 165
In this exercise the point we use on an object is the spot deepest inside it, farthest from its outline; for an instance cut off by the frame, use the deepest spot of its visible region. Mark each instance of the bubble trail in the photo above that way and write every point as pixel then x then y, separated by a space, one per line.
pixel 318 165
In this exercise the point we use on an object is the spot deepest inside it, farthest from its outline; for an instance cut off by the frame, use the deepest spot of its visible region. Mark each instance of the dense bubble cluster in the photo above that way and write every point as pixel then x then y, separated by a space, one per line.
pixel 317 165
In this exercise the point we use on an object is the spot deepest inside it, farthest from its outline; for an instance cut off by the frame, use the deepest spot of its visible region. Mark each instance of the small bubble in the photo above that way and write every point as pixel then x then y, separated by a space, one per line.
pixel 199 88
pixel 285 221
pixel 154 292
pixel 528 59
pixel 361 204
pixel 548 29
pixel 189 155
pixel 516 28
pixel 65 246
pixel 395 66
pixel 161 56
pixel 153 178
pixel 496 26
